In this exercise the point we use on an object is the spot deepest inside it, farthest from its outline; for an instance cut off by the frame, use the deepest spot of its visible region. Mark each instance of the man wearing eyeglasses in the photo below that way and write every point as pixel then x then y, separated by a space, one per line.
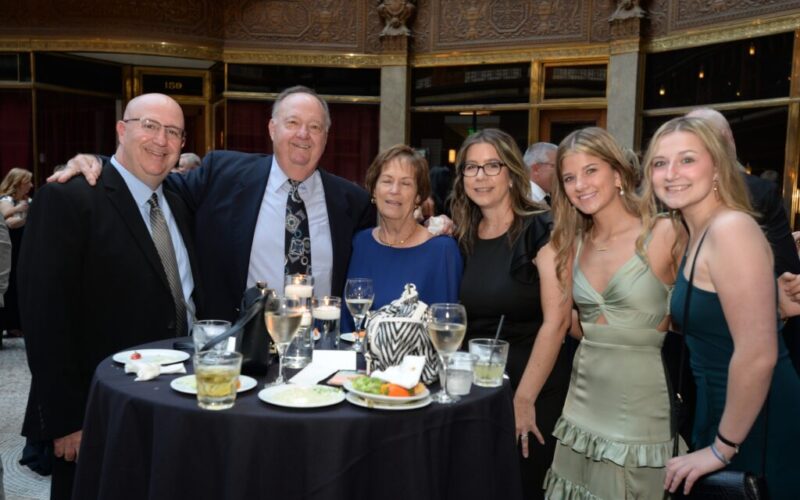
pixel 106 268
pixel 540 160
pixel 259 217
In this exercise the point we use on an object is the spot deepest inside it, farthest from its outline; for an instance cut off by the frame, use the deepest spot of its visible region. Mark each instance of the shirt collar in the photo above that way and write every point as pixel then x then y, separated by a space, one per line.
pixel 140 191
pixel 278 180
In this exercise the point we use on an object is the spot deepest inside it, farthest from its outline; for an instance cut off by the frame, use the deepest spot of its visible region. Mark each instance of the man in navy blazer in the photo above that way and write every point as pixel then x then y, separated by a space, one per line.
pixel 92 279
pixel 239 203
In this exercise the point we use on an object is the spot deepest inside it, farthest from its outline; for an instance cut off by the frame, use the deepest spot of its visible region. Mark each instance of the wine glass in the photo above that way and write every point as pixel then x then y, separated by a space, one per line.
pixel 358 295
pixel 282 315
pixel 447 324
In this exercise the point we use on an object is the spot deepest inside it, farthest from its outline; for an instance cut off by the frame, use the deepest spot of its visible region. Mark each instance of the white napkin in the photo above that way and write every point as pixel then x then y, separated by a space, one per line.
pixel 149 371
pixel 406 374
pixel 324 363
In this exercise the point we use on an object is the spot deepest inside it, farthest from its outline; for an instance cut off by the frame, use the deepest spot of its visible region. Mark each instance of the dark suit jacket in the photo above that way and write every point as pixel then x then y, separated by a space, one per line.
pixel 225 195
pixel 91 283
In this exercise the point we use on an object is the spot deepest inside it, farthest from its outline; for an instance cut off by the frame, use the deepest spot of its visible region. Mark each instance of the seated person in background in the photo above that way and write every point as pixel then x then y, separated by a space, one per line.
pixel 399 250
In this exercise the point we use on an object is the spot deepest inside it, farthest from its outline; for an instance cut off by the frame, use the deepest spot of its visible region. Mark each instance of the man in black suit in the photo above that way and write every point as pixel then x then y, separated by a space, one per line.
pixel 94 280
pixel 239 201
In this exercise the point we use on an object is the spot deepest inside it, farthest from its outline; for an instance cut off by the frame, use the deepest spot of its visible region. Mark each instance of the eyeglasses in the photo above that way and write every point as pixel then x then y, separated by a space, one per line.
pixel 546 163
pixel 153 127
pixel 294 124
pixel 490 168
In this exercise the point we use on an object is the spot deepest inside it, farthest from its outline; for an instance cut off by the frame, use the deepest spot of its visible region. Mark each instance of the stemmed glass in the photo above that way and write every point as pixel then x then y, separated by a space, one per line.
pixel 282 315
pixel 358 295
pixel 447 324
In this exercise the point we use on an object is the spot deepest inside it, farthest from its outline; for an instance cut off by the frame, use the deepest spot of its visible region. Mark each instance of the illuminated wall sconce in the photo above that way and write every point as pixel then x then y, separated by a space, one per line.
pixel 662 90
pixel 701 74
pixel 752 50
pixel 451 155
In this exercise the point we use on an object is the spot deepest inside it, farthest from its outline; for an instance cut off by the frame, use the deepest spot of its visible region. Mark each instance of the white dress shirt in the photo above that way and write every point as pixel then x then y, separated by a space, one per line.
pixel 141 193
pixel 268 253
pixel 537 193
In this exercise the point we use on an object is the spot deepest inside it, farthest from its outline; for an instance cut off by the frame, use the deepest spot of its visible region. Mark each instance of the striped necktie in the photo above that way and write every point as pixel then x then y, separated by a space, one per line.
pixel 166 251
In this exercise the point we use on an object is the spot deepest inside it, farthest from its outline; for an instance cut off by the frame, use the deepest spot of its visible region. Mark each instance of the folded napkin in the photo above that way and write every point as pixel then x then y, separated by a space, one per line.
pixel 406 374
pixel 149 371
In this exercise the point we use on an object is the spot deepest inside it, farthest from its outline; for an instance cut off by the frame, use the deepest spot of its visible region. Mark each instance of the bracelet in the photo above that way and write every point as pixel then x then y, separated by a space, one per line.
pixel 727 441
pixel 719 455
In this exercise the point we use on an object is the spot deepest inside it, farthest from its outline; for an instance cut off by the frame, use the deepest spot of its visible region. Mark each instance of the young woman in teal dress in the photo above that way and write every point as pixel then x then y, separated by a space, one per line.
pixel 748 394
pixel 614 435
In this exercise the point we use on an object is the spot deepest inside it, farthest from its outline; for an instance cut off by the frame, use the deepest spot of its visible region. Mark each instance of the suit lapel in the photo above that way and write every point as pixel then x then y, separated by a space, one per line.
pixel 248 193
pixel 340 223
pixel 120 197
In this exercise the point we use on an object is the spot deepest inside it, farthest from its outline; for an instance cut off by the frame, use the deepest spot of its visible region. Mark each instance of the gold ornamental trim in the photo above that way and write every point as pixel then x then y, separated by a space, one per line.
pixel 296 58
pixel 120 46
pixel 728 106
pixel 724 33
pixel 563 53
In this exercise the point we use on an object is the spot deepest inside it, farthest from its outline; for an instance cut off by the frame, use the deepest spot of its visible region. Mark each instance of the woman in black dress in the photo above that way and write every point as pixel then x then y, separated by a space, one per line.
pixel 510 271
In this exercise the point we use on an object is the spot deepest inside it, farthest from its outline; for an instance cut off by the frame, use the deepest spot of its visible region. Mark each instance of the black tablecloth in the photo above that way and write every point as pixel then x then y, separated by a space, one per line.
pixel 143 440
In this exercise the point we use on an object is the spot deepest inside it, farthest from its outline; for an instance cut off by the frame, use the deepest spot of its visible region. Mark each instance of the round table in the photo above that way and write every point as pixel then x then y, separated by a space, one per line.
pixel 143 440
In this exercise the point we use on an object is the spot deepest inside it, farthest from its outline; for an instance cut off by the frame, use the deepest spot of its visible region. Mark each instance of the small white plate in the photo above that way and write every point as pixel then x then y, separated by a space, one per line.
pixel 379 405
pixel 348 337
pixel 386 399
pixel 300 396
pixel 160 356
pixel 188 384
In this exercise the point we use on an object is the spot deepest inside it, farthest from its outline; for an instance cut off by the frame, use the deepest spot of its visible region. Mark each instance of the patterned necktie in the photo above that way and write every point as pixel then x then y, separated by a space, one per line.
pixel 298 236
pixel 166 251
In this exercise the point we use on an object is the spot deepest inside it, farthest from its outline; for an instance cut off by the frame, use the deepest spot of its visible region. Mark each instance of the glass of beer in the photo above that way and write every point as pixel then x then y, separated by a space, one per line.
pixel 217 374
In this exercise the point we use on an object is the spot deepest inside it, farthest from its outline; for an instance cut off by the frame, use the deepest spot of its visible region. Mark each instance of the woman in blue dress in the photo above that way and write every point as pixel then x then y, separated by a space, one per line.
pixel 748 394
pixel 400 250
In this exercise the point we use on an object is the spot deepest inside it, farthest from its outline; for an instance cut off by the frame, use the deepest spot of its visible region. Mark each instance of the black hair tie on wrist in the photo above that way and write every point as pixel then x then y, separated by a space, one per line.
pixel 727 441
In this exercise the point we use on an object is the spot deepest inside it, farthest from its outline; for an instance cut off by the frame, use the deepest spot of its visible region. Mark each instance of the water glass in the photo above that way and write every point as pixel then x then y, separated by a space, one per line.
pixel 491 363
pixel 326 312
pixel 217 374
pixel 300 350
pixel 206 329
pixel 460 367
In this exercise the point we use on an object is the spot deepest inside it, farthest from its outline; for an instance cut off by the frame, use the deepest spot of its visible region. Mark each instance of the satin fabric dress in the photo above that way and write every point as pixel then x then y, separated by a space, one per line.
pixel 614 435
pixel 710 349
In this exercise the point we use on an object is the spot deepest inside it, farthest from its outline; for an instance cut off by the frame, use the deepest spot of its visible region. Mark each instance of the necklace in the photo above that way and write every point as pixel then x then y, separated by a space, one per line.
pixel 398 242
pixel 596 245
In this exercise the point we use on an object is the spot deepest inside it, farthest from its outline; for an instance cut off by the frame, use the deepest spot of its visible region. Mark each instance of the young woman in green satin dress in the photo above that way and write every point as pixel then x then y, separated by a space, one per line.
pixel 736 354
pixel 614 435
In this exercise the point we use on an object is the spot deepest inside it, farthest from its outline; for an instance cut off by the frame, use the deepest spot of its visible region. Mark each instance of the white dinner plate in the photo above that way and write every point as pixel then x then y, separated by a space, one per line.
pixel 380 405
pixel 348 337
pixel 301 396
pixel 160 356
pixel 386 399
pixel 188 384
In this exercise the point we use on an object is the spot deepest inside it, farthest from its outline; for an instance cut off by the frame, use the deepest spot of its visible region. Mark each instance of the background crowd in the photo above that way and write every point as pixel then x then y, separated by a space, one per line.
pixel 576 239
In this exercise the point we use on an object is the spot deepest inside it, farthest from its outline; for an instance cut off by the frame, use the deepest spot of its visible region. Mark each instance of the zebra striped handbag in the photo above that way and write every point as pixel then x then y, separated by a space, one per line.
pixel 398 329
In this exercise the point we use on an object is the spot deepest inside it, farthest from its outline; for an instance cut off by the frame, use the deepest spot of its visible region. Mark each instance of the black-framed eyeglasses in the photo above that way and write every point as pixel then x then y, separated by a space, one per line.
pixel 153 127
pixel 490 168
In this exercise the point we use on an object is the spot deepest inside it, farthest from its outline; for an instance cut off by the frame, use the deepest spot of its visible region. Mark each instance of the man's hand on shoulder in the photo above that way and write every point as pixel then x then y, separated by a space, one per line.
pixel 67 447
pixel 87 165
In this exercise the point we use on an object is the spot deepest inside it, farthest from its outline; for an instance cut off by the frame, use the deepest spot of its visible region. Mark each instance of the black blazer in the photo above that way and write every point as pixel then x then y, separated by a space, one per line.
pixel 91 284
pixel 225 195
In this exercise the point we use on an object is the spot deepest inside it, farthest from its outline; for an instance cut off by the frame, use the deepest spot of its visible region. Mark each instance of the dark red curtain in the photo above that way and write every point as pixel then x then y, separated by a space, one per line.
pixel 69 124
pixel 16 130
pixel 352 140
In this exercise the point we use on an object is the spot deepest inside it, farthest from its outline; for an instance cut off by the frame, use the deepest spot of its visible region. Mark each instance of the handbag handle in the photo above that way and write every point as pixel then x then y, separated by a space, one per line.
pixel 256 307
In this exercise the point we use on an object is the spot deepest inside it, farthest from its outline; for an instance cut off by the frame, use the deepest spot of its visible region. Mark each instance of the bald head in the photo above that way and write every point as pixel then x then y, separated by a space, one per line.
pixel 716 120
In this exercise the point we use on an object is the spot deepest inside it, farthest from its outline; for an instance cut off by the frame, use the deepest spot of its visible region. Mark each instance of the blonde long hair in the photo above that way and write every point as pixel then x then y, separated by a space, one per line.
pixel 13 179
pixel 731 187
pixel 571 223
pixel 466 214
